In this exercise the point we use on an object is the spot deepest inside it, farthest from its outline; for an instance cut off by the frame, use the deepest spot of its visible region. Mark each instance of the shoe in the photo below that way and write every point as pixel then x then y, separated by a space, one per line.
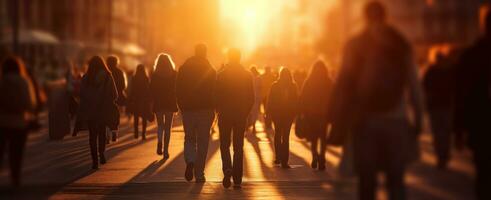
pixel 285 166
pixel 115 136
pixel 276 162
pixel 102 160
pixel 226 179
pixel 159 148
pixel 314 164
pixel 322 166
pixel 237 186
pixel 200 180
pixel 189 172
pixel 95 166
pixel 166 156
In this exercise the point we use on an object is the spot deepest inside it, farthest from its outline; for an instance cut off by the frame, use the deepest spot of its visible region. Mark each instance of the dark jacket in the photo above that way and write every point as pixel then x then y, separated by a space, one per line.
pixel 439 93
pixel 282 101
pixel 314 98
pixel 195 85
pixel 234 92
pixel 97 103
pixel 139 99
pixel 120 82
pixel 163 92
pixel 16 101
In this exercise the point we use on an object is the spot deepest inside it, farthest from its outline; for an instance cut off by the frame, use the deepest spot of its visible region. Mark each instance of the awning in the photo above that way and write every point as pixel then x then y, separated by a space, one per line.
pixel 31 37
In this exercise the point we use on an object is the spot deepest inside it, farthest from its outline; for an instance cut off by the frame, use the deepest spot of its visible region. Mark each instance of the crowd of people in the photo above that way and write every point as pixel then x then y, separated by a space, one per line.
pixel 376 101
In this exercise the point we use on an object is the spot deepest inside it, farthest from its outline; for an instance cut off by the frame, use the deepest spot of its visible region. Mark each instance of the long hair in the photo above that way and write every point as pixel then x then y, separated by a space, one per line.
pixel 13 65
pixel 285 76
pixel 318 73
pixel 164 65
pixel 96 65
pixel 140 74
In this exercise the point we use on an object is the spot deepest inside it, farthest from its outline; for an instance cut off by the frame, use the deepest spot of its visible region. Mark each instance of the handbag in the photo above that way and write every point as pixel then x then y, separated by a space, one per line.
pixel 301 127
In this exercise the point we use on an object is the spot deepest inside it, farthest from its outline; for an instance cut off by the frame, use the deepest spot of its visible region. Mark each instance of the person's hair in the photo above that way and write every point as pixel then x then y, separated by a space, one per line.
pixel 112 61
pixel 140 71
pixel 13 65
pixel 267 69
pixel 254 70
pixel 234 55
pixel 319 73
pixel 285 75
pixel 95 66
pixel 374 11
pixel 200 50
pixel 163 64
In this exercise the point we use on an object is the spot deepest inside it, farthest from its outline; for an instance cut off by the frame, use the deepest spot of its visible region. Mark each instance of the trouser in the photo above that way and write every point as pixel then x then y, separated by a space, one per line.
pixel 441 125
pixel 267 119
pixel 197 126
pixel 282 140
pixel 136 119
pixel 318 128
pixel 15 139
pixel 164 125
pixel 232 128
pixel 479 139
pixel 97 141
pixel 380 145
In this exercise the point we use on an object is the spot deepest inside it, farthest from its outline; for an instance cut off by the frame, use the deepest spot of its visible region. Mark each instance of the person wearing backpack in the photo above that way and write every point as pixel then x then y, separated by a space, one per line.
pixel 17 103
pixel 313 108
pixel 377 71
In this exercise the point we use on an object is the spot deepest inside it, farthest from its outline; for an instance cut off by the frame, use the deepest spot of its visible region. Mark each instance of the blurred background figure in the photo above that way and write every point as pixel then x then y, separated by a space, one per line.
pixel 267 80
pixel 256 107
pixel 300 75
pixel 139 100
pixel 98 110
pixel 439 96
pixel 282 108
pixel 313 107
pixel 163 92
pixel 17 103
pixel 120 81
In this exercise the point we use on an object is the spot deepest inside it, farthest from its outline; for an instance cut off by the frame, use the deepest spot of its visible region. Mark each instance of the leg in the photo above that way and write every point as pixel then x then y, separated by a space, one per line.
pixel 3 144
pixel 102 145
pixel 93 135
pixel 313 150
pixel 167 130
pixel 238 143
pixel 225 130
pixel 144 128
pixel 441 137
pixel 160 130
pixel 482 162
pixel 135 125
pixel 285 137
pixel 203 135
pixel 16 151
pixel 277 142
pixel 189 123
pixel 365 154
pixel 322 153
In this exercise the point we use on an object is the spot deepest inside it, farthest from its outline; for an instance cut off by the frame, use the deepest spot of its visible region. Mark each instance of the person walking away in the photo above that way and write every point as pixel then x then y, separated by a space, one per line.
pixel 120 81
pixel 195 88
pixel 267 80
pixel 139 101
pixel 376 81
pixel 98 109
pixel 234 101
pixel 163 92
pixel 473 101
pixel 439 96
pixel 282 108
pixel 17 104
pixel 256 107
pixel 313 107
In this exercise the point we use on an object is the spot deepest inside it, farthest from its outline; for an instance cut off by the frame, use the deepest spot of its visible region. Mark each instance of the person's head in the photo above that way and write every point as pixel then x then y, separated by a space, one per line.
pixel 96 66
pixel 140 70
pixel 234 55
pixel 285 75
pixel 13 65
pixel 319 71
pixel 374 13
pixel 200 50
pixel 254 70
pixel 267 69
pixel 112 61
pixel 164 64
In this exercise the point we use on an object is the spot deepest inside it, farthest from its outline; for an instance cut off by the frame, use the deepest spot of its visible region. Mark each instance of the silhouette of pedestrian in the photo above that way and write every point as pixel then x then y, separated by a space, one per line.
pixel 98 109
pixel 17 103
pixel 377 70
pixel 267 80
pixel 313 107
pixel 163 91
pixel 195 88
pixel 474 106
pixel 256 107
pixel 234 100
pixel 282 108
pixel 139 100
pixel 120 81
pixel 440 104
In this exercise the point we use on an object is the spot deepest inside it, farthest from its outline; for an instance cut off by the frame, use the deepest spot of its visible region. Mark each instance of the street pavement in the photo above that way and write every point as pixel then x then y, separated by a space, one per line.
pixel 62 170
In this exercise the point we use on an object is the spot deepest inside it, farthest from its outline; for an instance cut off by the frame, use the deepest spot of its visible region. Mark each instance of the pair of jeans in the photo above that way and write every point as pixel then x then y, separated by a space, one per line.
pixel 282 140
pixel 164 125
pixel 15 139
pixel 97 141
pixel 317 126
pixel 197 125
pixel 232 128
pixel 441 127
pixel 144 125
pixel 381 144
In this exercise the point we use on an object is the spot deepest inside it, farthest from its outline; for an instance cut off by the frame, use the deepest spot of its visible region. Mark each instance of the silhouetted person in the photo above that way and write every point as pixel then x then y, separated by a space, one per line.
pixel 377 70
pixel 120 81
pixel 195 89
pixel 17 103
pixel 98 109
pixel 299 76
pixel 440 99
pixel 474 106
pixel 282 108
pixel 139 100
pixel 234 100
pixel 313 106
pixel 267 80
pixel 256 107
pixel 163 91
